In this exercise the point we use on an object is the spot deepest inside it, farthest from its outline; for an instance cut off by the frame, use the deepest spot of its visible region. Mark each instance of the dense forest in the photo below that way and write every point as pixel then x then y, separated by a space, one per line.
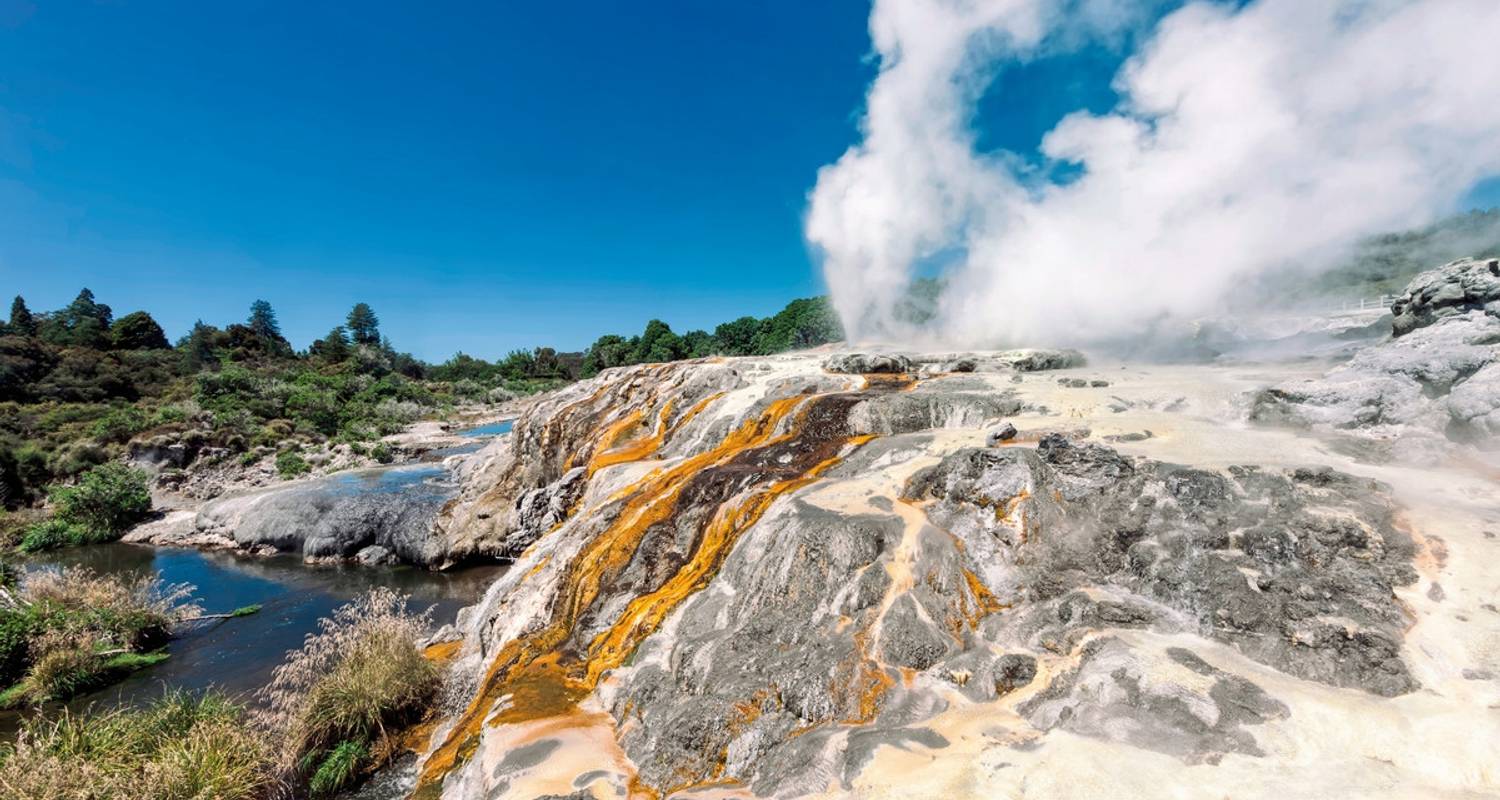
pixel 78 385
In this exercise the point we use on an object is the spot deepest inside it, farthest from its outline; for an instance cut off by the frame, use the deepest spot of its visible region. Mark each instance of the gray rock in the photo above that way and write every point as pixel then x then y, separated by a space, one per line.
pixel 1455 288
pixel 1004 433
pixel 868 363
pixel 1113 694
pixel 339 516
pixel 1174 545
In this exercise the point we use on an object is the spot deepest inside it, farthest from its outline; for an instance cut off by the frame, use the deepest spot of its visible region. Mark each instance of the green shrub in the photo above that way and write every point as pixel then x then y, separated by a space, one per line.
pixel 179 748
pixel 107 500
pixel 119 424
pixel 291 464
pixel 56 533
pixel 382 452
pixel 74 630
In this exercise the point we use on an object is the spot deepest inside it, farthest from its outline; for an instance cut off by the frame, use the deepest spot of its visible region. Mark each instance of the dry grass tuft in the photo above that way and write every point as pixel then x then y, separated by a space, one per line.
pixel 360 676
pixel 180 748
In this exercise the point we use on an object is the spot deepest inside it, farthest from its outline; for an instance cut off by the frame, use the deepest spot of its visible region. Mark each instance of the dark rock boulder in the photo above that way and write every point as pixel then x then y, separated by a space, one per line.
pixel 1454 288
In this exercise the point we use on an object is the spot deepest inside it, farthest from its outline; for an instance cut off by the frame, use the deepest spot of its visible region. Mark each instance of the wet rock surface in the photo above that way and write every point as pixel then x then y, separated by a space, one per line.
pixel 1296 569
pixel 760 573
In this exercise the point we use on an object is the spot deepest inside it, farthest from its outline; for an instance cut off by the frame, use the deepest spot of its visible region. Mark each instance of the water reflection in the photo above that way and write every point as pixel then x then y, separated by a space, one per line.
pixel 238 655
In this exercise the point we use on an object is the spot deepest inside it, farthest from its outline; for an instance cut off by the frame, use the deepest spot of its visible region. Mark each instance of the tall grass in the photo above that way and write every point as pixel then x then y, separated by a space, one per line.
pixel 64 632
pixel 336 701
pixel 180 748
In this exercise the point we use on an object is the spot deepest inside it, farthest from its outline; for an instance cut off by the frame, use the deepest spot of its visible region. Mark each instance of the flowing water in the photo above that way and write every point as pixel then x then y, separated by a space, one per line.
pixel 238 655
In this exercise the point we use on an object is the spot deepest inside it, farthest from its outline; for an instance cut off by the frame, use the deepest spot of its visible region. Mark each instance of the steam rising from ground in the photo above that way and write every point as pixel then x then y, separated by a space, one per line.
pixel 1247 139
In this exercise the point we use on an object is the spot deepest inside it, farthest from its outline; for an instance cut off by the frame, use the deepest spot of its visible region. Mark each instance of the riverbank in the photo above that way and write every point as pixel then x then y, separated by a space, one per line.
pixel 365 512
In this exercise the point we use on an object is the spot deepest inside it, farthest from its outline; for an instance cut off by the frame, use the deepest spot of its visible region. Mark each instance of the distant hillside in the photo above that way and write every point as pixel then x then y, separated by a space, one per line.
pixel 1384 264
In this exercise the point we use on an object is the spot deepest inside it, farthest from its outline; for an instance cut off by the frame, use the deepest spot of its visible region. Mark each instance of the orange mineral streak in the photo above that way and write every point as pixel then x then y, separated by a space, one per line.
pixel 900 381
pixel 443 652
pixel 645 613
pixel 645 446
pixel 541 679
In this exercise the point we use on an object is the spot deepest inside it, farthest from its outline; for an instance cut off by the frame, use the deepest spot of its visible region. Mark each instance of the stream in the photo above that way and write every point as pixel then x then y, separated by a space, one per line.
pixel 237 656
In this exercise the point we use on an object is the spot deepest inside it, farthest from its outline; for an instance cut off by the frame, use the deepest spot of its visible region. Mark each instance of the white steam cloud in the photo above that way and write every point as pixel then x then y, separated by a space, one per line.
pixel 1247 139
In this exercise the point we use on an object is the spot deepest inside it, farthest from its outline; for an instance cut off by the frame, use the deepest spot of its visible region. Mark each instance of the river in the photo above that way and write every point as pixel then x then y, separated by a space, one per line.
pixel 238 655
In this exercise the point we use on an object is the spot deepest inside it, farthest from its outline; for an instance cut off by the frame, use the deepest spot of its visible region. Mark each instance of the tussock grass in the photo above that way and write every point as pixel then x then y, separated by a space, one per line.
pixel 336 700
pixel 180 748
pixel 62 633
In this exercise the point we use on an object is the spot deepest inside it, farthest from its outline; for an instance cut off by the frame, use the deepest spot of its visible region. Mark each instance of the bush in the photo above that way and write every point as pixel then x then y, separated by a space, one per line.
pixel 107 500
pixel 360 677
pixel 291 464
pixel 179 748
pixel 382 452
pixel 56 533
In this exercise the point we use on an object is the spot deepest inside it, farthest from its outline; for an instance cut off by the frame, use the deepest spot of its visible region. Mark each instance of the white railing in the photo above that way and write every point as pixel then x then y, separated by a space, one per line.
pixel 1368 303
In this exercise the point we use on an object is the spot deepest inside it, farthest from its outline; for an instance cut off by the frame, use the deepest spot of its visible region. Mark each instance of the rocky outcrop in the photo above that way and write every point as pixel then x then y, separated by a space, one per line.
pixel 1453 289
pixel 764 574
pixel 1413 395
pixel 1295 569
pixel 375 516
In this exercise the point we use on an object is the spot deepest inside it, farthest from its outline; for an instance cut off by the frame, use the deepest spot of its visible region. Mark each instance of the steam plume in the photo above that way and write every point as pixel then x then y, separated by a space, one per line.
pixel 1247 139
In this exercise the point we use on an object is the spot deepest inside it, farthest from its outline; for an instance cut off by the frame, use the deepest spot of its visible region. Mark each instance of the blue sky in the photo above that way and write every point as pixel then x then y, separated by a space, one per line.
pixel 487 176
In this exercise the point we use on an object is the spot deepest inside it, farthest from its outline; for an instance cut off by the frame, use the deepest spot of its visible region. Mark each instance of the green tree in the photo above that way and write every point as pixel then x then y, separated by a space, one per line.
pixel 545 363
pixel 518 365
pixel 737 338
pixel 263 322
pixel 658 344
pixel 22 323
pixel 804 323
pixel 199 346
pixel 84 323
pixel 607 351
pixel 698 344
pixel 333 348
pixel 137 331
pixel 364 326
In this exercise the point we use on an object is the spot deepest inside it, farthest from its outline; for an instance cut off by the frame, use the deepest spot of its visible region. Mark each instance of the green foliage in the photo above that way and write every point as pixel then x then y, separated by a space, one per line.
pixel 382 453
pixel 181 747
pixel 22 323
pixel 137 331
pixel 360 677
pixel 71 631
pixel 106 501
pixel 262 322
pixel 84 323
pixel 199 347
pixel 333 348
pixel 121 423
pixel 658 343
pixel 364 326
pixel 804 323
pixel 737 338
pixel 55 533
pixel 291 464
pixel 339 768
